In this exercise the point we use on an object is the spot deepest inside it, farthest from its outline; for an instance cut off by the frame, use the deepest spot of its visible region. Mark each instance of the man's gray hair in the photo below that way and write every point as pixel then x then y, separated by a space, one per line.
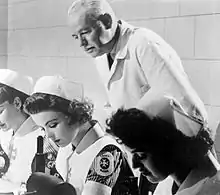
pixel 93 8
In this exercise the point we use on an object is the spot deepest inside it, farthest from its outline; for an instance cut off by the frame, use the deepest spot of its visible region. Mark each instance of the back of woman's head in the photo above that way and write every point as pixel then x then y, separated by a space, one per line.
pixel 138 130
pixel 77 111
pixel 8 93
pixel 151 134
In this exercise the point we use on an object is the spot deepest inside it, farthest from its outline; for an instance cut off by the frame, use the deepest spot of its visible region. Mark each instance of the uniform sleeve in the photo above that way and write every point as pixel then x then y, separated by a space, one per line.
pixel 105 168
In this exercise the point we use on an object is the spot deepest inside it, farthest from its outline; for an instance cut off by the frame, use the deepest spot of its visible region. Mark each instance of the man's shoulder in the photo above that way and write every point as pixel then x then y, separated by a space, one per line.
pixel 144 34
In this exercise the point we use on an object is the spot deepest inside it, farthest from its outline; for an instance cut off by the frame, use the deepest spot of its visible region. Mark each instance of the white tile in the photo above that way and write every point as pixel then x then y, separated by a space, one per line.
pixel 214 84
pixel 22 42
pixel 55 41
pixel 18 1
pixel 128 9
pixel 22 15
pixel 179 32
pixel 3 17
pixel 3 42
pixel 19 63
pixel 216 6
pixel 41 42
pixel 207 37
pixel 4 2
pixel 36 66
pixel 163 8
pixel 38 13
pixel 142 9
pixel 197 7
pixel 214 120
pixel 83 70
pixel 3 61
pixel 214 117
pixel 157 25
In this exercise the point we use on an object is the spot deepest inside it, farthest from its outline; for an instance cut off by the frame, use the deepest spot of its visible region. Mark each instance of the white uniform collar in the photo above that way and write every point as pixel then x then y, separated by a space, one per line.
pixel 27 127
pixel 90 137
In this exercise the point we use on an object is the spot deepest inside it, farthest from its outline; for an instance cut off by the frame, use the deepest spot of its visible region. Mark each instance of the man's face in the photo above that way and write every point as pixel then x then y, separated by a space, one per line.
pixel 8 115
pixel 88 33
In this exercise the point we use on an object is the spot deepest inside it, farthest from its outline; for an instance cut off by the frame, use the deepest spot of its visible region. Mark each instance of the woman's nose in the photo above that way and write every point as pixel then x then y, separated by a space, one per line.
pixel 50 134
pixel 83 42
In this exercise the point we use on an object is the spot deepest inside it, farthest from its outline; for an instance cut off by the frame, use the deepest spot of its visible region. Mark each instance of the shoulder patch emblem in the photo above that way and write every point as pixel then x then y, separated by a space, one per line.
pixel 104 165
pixel 2 162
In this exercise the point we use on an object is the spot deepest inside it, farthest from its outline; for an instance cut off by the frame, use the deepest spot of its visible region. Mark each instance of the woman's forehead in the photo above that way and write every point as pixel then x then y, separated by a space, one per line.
pixel 45 116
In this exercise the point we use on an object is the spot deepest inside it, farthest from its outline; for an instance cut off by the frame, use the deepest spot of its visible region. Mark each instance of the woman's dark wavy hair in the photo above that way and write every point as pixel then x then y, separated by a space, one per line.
pixel 77 111
pixel 8 93
pixel 153 135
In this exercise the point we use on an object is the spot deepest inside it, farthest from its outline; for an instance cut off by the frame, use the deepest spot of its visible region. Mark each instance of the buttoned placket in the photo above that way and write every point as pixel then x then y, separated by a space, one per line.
pixel 68 165
pixel 11 149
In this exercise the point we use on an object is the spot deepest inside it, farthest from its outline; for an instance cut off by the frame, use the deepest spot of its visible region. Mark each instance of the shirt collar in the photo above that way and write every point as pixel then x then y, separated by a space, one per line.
pixel 27 127
pixel 121 47
pixel 90 137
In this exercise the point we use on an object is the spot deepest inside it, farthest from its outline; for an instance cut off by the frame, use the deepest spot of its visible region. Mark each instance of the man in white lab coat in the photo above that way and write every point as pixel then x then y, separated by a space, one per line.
pixel 135 64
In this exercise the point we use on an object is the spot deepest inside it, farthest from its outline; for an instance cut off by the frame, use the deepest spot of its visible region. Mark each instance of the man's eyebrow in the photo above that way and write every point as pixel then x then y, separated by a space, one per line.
pixel 52 120
pixel 74 35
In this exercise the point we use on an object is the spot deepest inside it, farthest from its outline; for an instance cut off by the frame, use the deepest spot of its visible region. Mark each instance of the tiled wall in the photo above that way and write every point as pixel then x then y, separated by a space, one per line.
pixel 3 32
pixel 40 43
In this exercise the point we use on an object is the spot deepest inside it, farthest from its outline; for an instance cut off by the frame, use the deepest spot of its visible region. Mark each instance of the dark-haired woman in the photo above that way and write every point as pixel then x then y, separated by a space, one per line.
pixel 168 142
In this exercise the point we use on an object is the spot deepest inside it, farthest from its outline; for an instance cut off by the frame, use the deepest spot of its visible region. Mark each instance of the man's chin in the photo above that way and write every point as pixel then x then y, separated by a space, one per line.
pixel 94 54
pixel 5 129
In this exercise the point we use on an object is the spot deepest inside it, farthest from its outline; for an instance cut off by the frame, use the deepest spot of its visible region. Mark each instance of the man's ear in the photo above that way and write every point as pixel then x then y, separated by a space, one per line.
pixel 100 25
pixel 106 20
pixel 104 24
pixel 17 103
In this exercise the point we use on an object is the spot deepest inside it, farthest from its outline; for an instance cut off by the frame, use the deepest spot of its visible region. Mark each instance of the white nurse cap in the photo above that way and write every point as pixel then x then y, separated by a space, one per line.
pixel 58 86
pixel 169 109
pixel 15 80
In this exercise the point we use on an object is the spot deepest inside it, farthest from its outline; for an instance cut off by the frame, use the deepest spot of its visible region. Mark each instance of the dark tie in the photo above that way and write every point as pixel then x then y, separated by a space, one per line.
pixel 73 147
pixel 110 61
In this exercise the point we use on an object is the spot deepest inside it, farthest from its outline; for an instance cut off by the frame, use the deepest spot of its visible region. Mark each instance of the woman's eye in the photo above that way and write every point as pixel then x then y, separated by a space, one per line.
pixel 1 111
pixel 53 125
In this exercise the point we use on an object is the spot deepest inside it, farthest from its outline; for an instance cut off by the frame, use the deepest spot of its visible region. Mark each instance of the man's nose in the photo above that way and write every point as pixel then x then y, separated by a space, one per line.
pixel 83 42
pixel 136 163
